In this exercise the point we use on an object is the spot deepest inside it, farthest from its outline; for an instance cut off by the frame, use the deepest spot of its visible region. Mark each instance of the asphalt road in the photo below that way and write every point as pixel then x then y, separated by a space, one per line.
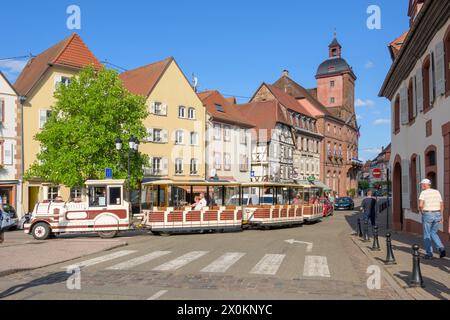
pixel 321 262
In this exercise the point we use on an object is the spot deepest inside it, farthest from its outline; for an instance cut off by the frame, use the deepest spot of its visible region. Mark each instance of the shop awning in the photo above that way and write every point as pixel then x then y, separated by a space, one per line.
pixel 320 184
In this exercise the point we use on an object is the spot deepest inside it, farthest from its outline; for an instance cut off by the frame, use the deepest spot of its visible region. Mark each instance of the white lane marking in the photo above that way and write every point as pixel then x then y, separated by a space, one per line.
pixel 158 295
pixel 139 260
pixel 181 261
pixel 224 263
pixel 101 259
pixel 269 265
pixel 316 266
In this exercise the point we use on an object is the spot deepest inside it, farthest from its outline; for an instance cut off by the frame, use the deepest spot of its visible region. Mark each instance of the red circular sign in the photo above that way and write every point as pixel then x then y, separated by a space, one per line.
pixel 376 173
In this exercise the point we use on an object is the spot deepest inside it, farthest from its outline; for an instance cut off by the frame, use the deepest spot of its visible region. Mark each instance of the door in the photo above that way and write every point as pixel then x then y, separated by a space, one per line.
pixel 33 198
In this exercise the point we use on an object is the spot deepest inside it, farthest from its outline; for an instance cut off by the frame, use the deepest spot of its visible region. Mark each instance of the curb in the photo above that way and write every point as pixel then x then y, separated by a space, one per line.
pixel 386 275
pixel 6 273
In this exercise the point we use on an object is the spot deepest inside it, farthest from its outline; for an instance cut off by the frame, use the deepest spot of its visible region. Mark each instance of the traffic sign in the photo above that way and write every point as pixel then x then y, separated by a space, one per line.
pixel 376 173
pixel 108 173
pixel 252 174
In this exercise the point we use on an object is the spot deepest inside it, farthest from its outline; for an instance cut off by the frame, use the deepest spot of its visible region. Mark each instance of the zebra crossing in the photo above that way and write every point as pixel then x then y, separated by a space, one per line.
pixel 268 265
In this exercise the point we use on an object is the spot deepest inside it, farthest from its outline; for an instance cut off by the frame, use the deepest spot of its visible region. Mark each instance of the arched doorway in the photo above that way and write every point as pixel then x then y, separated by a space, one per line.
pixel 397 194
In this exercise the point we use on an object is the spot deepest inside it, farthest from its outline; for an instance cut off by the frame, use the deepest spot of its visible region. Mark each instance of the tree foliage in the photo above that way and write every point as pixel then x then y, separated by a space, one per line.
pixel 78 140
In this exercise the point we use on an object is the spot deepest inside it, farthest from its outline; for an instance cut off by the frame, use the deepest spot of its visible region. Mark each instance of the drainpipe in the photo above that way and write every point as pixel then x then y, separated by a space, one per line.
pixel 22 100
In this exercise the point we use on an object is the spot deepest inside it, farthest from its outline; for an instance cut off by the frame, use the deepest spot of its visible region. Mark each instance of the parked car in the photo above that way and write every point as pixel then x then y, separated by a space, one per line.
pixel 344 204
pixel 328 209
pixel 23 221
pixel 10 216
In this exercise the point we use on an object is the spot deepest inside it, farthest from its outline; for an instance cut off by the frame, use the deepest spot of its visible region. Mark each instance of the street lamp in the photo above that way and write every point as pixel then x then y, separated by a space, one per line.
pixel 133 144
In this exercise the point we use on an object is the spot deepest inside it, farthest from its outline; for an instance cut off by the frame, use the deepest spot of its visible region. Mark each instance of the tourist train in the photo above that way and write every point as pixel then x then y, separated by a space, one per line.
pixel 176 207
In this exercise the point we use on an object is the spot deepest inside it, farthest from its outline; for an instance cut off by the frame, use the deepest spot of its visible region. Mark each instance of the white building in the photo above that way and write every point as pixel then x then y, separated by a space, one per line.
pixel 10 145
pixel 228 139
pixel 418 85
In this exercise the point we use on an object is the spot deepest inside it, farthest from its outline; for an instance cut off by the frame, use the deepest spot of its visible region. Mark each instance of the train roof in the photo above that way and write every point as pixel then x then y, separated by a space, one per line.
pixel 192 183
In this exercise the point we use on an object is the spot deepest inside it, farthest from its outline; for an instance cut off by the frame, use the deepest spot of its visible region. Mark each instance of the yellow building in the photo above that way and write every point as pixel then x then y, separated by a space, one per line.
pixel 36 85
pixel 176 124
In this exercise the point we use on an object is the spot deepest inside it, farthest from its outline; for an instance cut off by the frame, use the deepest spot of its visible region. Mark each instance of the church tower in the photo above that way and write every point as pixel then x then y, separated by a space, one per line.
pixel 336 84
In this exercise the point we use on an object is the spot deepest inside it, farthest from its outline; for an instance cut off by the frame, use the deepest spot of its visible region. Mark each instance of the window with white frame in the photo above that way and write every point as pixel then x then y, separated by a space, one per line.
pixel 2 111
pixel 227 133
pixel 52 193
pixel 179 166
pixel 194 139
pixel 243 136
pixel 243 165
pixel 217 161
pixel 181 112
pixel 44 115
pixel 179 137
pixel 158 108
pixel 227 161
pixel 75 193
pixel 157 135
pixel 217 132
pixel 194 166
pixel 157 166
pixel 191 113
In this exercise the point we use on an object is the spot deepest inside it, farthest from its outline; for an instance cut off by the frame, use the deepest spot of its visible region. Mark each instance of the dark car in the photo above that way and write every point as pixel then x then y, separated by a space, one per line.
pixel 344 204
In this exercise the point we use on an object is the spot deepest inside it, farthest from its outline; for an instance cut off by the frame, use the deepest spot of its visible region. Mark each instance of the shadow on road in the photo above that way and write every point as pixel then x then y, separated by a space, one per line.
pixel 54 278
pixel 433 287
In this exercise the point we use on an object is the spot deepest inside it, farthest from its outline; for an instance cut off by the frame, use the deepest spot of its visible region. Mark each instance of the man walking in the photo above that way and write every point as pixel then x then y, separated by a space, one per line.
pixel 368 207
pixel 432 208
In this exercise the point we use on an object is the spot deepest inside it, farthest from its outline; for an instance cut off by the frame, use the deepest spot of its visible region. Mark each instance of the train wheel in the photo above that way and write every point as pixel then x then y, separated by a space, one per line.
pixel 41 231
pixel 107 234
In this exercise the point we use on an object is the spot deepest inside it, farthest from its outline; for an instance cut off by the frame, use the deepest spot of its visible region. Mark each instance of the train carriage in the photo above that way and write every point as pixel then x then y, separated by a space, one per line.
pixel 170 207
pixel 279 205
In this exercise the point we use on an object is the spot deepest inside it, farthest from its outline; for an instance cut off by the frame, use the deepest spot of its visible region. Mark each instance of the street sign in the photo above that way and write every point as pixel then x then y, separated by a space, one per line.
pixel 108 173
pixel 252 174
pixel 376 173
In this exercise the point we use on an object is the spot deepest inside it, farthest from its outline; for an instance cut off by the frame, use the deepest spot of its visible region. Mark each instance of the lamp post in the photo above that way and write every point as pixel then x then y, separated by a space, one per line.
pixel 133 147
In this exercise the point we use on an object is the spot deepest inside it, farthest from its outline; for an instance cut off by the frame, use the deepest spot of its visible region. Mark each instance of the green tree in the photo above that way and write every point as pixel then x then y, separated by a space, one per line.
pixel 78 140
pixel 364 185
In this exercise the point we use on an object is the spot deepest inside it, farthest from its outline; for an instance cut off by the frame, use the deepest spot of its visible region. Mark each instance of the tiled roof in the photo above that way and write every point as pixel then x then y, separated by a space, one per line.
pixel 288 101
pixel 142 81
pixel 230 115
pixel 298 92
pixel 71 52
pixel 265 115
pixel 397 44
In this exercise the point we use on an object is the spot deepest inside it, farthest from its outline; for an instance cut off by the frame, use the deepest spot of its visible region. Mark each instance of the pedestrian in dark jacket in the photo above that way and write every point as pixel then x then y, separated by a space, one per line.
pixel 368 208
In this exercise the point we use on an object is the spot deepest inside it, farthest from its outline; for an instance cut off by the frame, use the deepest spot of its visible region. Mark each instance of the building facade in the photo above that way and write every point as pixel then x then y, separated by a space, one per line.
pixel 36 86
pixel 418 86
pixel 10 146
pixel 332 103
pixel 306 138
pixel 228 139
pixel 176 124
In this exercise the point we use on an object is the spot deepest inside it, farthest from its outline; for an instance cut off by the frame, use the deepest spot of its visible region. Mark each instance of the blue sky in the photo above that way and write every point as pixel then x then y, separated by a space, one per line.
pixel 231 45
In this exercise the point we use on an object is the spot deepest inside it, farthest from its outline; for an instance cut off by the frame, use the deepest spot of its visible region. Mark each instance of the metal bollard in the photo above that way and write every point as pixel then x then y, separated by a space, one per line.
pixel 376 242
pixel 360 233
pixel 366 231
pixel 390 259
pixel 416 277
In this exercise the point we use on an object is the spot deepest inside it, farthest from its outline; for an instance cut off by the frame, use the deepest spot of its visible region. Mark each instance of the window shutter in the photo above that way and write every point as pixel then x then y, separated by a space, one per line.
pixel 42 118
pixel 440 69
pixel 432 79
pixel 419 90
pixel 58 80
pixel 414 98
pixel 404 106
pixel 165 136
pixel 164 109
pixel 2 110
pixel 406 198
pixel 418 174
pixel 152 107
pixel 149 134
pixel 8 153
pixel 165 166
pixel 392 116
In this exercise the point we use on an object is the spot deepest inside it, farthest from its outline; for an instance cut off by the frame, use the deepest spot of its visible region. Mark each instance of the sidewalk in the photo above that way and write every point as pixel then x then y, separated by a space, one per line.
pixel 21 252
pixel 435 273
